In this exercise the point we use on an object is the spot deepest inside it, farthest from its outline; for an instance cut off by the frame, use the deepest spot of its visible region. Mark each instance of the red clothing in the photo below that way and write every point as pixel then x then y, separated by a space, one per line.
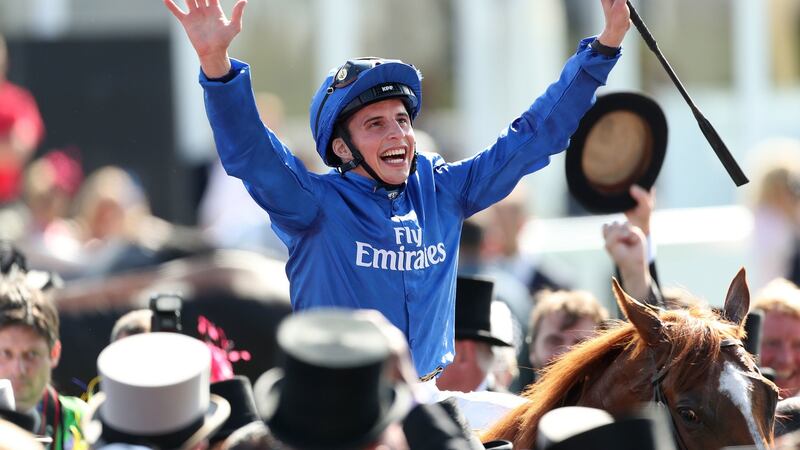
pixel 21 125
pixel 18 110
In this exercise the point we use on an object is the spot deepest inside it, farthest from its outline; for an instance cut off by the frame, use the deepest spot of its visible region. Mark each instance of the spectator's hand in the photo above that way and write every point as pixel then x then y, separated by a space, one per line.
pixel 640 215
pixel 626 244
pixel 210 32
pixel 618 21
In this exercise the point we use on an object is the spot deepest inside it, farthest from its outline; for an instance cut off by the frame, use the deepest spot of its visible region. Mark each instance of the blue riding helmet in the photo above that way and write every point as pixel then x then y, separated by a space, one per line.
pixel 354 85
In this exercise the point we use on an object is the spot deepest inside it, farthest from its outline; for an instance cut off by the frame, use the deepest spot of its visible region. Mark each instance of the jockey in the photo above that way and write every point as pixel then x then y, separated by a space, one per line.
pixel 381 230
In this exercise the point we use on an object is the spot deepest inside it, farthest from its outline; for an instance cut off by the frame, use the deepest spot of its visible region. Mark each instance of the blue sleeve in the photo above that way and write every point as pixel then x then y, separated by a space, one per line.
pixel 274 177
pixel 526 145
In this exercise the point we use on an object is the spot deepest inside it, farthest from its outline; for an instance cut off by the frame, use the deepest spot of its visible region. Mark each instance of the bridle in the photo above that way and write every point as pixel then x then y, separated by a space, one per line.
pixel 661 400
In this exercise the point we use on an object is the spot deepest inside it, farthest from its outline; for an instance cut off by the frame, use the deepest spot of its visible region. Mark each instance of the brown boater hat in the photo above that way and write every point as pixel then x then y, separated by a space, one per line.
pixel 474 310
pixel 332 391
pixel 621 141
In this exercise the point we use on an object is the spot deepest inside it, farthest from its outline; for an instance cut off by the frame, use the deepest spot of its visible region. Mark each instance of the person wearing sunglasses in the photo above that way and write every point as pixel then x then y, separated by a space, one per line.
pixel 381 230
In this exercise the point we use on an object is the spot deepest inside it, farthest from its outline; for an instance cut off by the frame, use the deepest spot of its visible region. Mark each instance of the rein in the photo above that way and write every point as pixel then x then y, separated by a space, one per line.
pixel 661 400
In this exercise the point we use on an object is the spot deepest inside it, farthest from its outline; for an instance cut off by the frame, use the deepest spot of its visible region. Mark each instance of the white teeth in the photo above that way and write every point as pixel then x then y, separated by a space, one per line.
pixel 391 153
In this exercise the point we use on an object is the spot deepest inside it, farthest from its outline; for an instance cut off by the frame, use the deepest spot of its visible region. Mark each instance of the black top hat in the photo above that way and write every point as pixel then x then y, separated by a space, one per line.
pixel 752 328
pixel 621 141
pixel 474 310
pixel 331 392
pixel 239 393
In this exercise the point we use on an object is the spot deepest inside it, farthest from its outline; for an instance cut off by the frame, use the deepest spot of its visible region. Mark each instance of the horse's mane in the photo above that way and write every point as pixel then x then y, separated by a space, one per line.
pixel 694 335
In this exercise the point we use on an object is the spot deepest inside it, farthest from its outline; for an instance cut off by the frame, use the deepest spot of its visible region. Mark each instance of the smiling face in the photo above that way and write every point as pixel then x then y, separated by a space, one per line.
pixel 780 350
pixel 383 134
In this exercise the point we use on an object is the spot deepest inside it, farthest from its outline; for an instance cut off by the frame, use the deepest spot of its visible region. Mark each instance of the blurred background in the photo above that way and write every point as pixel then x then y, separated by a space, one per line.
pixel 116 85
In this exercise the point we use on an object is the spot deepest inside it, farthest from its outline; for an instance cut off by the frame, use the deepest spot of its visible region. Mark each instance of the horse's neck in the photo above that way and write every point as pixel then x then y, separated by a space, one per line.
pixel 622 386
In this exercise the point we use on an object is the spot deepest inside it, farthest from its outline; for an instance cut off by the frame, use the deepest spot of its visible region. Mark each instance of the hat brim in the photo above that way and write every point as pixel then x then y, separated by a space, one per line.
pixel 267 391
pixel 600 179
pixel 215 416
pixel 482 336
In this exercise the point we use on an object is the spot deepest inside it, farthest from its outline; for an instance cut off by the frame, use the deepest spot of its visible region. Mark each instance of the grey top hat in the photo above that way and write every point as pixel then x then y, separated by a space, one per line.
pixel 331 392
pixel 155 391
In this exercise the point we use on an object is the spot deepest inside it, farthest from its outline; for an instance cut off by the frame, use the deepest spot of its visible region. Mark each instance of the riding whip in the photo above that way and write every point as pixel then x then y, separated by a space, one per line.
pixel 713 138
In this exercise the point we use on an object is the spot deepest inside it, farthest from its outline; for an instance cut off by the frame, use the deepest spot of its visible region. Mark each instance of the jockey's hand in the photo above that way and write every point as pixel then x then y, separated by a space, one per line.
pixel 210 32
pixel 618 22
pixel 639 216
pixel 626 244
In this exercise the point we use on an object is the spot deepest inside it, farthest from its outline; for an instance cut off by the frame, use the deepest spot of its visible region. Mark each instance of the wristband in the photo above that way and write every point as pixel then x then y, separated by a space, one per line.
pixel 604 50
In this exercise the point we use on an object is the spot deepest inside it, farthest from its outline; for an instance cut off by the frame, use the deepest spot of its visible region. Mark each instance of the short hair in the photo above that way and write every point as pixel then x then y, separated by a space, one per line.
pixel 575 305
pixel 22 304
pixel 137 321
pixel 779 296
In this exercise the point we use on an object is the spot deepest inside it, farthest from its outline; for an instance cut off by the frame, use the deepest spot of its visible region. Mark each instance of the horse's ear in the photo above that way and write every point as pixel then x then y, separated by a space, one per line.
pixel 737 302
pixel 644 318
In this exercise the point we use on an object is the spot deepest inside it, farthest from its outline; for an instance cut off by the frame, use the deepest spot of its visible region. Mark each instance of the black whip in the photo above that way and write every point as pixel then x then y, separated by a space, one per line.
pixel 713 138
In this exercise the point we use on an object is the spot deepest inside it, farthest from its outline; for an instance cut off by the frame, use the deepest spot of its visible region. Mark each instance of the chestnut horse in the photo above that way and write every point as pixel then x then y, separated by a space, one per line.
pixel 690 361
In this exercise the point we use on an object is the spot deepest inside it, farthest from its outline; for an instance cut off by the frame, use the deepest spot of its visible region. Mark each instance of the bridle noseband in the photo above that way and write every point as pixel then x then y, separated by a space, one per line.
pixel 661 400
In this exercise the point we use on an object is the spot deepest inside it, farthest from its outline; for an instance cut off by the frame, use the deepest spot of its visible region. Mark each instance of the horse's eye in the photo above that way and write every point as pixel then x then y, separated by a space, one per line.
pixel 688 415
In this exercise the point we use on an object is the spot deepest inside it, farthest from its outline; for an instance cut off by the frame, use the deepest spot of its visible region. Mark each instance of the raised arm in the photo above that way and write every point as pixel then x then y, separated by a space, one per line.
pixel 545 128
pixel 210 32
pixel 628 246
pixel 275 179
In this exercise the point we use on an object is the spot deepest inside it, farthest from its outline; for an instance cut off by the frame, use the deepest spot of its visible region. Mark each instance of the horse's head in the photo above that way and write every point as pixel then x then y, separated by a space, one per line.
pixel 692 363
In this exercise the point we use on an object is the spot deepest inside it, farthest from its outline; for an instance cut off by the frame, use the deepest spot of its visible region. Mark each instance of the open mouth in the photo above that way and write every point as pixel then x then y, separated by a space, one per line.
pixel 394 156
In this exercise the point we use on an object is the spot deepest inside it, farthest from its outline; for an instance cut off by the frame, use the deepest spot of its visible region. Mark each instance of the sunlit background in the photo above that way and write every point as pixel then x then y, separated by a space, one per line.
pixel 117 80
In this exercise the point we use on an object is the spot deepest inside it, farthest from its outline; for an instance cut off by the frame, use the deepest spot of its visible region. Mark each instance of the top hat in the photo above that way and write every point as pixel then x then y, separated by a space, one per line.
pixel 752 329
pixel 155 391
pixel 474 311
pixel 621 141
pixel 331 392
pixel 576 427
pixel 239 393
